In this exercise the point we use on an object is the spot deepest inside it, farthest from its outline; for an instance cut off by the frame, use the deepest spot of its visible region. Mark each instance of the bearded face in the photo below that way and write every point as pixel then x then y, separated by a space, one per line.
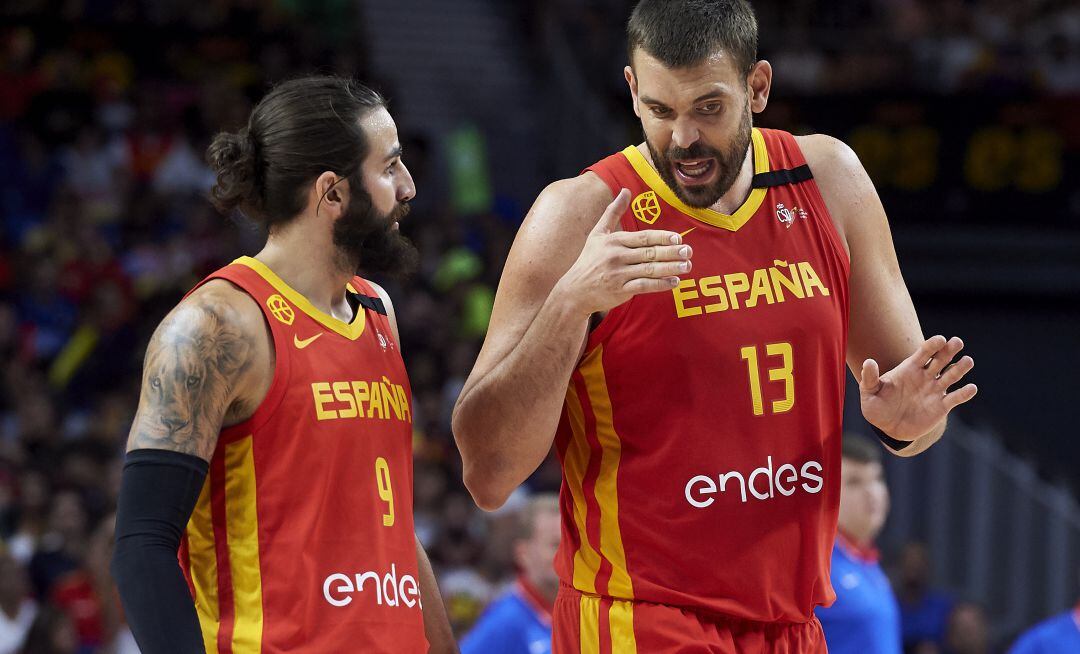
pixel 682 168
pixel 370 241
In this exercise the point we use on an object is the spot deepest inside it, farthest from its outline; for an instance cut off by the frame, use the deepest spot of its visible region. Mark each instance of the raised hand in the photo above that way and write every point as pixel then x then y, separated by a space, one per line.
pixel 913 398
pixel 616 265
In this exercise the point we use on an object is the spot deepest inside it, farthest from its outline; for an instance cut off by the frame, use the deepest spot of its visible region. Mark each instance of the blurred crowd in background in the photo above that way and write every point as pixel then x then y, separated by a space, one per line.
pixel 105 114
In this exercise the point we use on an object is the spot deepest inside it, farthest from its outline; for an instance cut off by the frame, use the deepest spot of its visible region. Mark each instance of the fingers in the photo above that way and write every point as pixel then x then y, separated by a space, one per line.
pixel 650 285
pixel 956 372
pixel 609 221
pixel 959 396
pixel 657 269
pixel 658 253
pixel 943 357
pixel 647 237
pixel 871 377
pixel 927 350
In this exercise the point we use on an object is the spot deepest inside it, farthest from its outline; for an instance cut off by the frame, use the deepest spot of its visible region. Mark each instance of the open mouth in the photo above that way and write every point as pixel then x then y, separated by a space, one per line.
pixel 692 172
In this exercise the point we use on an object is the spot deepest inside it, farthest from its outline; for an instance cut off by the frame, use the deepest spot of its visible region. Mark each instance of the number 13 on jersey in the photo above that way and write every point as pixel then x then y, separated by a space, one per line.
pixel 782 372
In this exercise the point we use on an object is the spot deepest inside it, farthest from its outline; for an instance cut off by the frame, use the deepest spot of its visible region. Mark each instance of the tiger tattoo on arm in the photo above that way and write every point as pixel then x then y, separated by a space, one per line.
pixel 193 364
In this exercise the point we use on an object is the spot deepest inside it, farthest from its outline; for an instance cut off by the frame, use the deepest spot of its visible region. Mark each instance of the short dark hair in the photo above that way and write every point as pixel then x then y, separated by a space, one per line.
pixel 300 129
pixel 860 449
pixel 683 33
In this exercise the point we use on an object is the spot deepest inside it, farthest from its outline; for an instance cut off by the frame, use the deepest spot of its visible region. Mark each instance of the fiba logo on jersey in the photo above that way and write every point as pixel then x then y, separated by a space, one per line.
pixel 280 309
pixel 788 216
pixel 646 207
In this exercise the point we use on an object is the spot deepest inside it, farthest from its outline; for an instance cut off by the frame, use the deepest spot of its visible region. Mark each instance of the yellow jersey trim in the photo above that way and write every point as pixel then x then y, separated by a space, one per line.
pixel 242 533
pixel 202 555
pixel 731 222
pixel 351 331
pixel 606 488
pixel 575 463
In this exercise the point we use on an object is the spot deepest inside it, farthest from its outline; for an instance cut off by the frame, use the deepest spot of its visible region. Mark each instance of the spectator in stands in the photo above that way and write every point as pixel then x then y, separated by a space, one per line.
pixel 52 633
pixel 865 618
pixel 967 632
pixel 17 610
pixel 519 622
pixel 1060 633
pixel 924 612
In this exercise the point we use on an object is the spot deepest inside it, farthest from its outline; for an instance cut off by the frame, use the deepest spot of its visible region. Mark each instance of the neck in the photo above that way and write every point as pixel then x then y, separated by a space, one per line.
pixel 730 202
pixel 311 265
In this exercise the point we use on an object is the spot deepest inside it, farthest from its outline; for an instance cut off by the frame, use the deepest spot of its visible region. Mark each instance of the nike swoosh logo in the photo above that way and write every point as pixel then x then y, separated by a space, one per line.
pixel 301 344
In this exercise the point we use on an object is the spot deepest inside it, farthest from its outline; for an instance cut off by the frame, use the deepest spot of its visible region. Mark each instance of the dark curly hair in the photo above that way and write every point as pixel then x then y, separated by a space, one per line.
pixel 300 129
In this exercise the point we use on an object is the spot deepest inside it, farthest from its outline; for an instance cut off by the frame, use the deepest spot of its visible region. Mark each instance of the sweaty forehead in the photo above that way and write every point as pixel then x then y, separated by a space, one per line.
pixel 381 133
pixel 716 74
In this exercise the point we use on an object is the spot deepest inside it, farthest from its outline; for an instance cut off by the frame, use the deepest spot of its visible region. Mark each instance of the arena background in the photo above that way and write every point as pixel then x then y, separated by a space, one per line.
pixel 964 112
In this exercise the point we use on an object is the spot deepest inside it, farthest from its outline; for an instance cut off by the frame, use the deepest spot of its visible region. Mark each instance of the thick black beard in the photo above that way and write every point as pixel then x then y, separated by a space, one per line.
pixel 729 164
pixel 367 242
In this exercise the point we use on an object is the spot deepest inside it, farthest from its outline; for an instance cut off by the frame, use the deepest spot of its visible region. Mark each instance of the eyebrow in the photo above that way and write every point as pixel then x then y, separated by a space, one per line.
pixel 711 95
pixel 395 152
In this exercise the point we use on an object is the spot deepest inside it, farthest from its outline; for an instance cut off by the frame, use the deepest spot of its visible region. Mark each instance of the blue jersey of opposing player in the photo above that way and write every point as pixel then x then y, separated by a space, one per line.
pixel 1057 635
pixel 865 619
pixel 519 622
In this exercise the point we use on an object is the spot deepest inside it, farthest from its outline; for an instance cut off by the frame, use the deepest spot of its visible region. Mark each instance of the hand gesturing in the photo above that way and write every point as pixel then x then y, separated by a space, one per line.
pixel 912 398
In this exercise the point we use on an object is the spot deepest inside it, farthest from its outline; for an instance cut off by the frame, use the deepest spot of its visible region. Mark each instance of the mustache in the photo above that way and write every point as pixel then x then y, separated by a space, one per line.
pixel 398 212
pixel 696 150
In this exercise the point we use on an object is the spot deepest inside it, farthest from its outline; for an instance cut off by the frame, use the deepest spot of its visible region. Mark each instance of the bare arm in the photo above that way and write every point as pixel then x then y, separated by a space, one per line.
pixel 564 266
pixel 202 365
pixel 436 625
pixel 206 366
pixel 909 402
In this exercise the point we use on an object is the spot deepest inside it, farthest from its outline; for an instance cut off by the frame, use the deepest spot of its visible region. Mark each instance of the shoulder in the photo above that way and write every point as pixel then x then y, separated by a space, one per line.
pixel 834 164
pixel 217 304
pixel 574 203
pixel 391 315
pixel 1044 636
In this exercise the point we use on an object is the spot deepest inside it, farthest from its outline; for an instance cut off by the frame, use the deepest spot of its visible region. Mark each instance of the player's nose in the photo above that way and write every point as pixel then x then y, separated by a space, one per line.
pixel 685 134
pixel 407 188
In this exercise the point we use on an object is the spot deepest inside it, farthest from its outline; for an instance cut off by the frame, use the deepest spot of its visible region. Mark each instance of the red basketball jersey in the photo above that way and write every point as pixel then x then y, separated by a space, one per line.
pixel 700 437
pixel 302 539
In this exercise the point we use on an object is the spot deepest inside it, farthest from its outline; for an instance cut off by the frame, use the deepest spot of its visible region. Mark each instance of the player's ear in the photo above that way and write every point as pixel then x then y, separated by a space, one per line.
pixel 628 73
pixel 330 189
pixel 759 83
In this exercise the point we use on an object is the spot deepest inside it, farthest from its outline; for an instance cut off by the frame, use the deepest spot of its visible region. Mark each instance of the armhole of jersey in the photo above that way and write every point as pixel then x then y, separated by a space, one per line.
pixel 364 287
pixel 788 142
pixel 278 383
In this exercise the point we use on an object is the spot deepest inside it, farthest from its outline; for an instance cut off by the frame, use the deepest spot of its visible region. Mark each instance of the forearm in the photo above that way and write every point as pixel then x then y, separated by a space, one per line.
pixel 158 492
pixel 505 423
pixel 436 625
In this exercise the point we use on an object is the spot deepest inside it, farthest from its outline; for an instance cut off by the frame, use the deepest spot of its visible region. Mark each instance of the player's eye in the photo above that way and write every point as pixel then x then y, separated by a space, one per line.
pixel 155 382
pixel 660 112
pixel 192 381
pixel 711 108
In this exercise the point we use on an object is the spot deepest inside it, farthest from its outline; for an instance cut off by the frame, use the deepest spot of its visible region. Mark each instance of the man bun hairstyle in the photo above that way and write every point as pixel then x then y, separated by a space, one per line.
pixel 682 33
pixel 302 128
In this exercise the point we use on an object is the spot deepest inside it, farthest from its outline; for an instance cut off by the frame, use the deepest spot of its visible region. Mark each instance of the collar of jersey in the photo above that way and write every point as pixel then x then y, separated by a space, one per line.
pixel 731 222
pixel 351 330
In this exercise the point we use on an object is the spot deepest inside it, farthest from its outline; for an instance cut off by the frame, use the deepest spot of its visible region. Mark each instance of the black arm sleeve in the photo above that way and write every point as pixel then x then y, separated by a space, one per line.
pixel 158 492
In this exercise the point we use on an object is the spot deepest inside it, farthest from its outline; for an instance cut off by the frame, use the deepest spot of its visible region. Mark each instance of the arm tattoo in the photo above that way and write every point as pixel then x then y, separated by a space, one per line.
pixel 192 364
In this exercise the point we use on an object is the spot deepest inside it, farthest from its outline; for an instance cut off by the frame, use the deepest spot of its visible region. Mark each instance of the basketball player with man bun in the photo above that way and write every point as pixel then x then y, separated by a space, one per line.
pixel 676 320
pixel 273 439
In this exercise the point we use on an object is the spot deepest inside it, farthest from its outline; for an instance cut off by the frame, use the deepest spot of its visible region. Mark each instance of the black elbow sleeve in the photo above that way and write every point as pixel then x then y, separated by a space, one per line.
pixel 158 492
